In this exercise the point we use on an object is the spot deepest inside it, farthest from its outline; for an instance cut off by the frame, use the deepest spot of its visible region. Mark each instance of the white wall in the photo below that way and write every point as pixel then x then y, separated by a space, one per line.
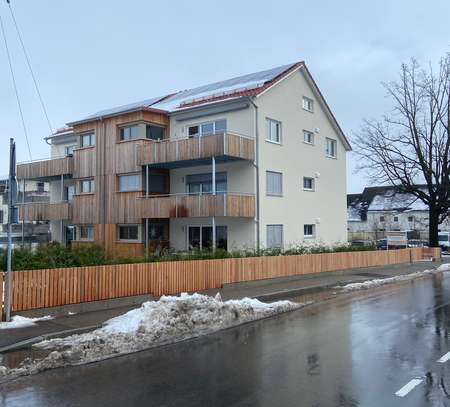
pixel 326 207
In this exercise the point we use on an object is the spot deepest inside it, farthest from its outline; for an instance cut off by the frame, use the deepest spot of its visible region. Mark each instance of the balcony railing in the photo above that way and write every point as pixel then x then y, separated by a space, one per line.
pixel 195 205
pixel 227 145
pixel 46 168
pixel 45 211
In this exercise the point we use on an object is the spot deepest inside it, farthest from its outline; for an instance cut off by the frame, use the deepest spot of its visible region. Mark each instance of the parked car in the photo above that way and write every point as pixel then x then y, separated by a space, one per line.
pixel 382 244
pixel 361 243
pixel 417 243
pixel 444 241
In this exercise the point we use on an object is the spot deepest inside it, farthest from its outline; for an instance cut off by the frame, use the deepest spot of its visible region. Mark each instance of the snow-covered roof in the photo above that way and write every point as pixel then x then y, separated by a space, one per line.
pixel 244 85
pixel 396 201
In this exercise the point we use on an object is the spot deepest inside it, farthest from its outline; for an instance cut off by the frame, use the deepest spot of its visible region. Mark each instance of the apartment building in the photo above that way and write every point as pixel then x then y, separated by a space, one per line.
pixel 254 161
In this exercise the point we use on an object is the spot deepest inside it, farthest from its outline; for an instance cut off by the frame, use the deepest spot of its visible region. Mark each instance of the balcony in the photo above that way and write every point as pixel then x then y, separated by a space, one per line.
pixel 44 211
pixel 188 206
pixel 45 169
pixel 175 153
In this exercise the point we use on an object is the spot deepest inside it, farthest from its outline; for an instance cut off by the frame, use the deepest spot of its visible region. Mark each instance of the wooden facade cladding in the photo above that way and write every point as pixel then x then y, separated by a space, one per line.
pixel 84 209
pixel 184 206
pixel 46 168
pixel 84 162
pixel 218 145
pixel 45 211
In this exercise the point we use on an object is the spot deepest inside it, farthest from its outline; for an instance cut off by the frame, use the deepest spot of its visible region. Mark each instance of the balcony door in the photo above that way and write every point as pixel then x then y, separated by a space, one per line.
pixel 201 237
pixel 201 184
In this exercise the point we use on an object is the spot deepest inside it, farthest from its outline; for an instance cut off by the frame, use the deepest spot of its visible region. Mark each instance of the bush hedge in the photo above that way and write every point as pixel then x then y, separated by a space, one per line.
pixel 54 255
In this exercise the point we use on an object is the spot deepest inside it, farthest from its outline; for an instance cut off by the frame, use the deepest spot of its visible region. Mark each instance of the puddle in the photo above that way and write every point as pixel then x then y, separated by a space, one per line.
pixel 316 296
pixel 15 358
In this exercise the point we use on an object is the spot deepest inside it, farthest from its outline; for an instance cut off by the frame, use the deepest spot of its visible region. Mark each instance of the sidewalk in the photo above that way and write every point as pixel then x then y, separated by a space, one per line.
pixel 265 290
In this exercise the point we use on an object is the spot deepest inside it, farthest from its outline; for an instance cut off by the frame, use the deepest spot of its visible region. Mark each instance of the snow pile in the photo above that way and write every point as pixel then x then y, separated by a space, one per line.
pixel 168 320
pixel 444 267
pixel 382 281
pixel 22 322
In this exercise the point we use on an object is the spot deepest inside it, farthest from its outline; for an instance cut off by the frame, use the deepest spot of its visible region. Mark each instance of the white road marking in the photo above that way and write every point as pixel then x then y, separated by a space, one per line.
pixel 408 387
pixel 444 358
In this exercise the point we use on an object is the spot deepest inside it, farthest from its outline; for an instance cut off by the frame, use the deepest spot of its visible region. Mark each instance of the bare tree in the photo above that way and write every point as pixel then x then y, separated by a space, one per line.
pixel 410 147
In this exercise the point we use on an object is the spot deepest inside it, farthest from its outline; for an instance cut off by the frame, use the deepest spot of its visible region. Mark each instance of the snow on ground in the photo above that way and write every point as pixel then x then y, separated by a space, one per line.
pixel 444 267
pixel 168 320
pixel 21 322
pixel 382 281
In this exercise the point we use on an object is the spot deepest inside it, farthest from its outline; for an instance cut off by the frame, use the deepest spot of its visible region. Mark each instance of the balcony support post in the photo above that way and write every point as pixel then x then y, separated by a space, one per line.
pixel 146 237
pixel 23 217
pixel 214 194
pixel 147 182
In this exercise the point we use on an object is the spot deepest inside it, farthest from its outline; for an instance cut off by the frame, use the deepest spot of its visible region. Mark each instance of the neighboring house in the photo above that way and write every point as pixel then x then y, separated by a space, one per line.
pixel 380 209
pixel 257 160
pixel 31 231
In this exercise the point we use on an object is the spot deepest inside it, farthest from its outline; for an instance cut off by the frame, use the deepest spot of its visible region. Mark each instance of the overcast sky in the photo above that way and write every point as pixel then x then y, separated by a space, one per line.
pixel 90 55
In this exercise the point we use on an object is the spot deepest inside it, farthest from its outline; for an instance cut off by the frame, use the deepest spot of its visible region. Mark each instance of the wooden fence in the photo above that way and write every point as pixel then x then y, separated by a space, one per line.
pixel 54 287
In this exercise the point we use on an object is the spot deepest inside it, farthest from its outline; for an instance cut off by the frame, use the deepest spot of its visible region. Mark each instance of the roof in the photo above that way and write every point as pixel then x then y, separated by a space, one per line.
pixel 245 85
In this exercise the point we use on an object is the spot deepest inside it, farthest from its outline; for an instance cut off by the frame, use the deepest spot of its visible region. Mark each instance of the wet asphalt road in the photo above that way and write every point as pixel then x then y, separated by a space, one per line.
pixel 355 350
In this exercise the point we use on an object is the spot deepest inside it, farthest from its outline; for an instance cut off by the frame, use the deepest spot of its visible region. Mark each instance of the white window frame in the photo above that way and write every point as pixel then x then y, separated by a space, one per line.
pixel 310 133
pixel 313 184
pixel 68 150
pixel 282 235
pixel 138 187
pixel 91 136
pixel 90 237
pixel 313 228
pixel 91 186
pixel 201 226
pixel 139 233
pixel 330 141
pixel 308 104
pixel 267 183
pixel 200 124
pixel 269 138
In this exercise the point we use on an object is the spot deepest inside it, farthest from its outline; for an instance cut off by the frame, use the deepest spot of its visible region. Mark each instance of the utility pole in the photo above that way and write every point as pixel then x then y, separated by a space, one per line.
pixel 12 191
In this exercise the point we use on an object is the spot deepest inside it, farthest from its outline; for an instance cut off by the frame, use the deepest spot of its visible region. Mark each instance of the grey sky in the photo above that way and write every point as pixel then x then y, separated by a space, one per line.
pixel 90 55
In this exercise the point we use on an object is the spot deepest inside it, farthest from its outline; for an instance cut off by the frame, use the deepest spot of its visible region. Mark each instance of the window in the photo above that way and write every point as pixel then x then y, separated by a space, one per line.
pixel 85 233
pixel 274 236
pixel 274 183
pixel 308 104
pixel 308 137
pixel 202 183
pixel 381 218
pixel 70 192
pixel 309 231
pixel 410 218
pixel 208 128
pixel 130 132
pixel 158 231
pixel 308 184
pixel 273 131
pixel 87 186
pixel 157 184
pixel 68 150
pixel 129 232
pixel 200 237
pixel 331 148
pixel 88 140
pixel 154 132
pixel 395 218
pixel 130 182
pixel 40 186
pixel 1 216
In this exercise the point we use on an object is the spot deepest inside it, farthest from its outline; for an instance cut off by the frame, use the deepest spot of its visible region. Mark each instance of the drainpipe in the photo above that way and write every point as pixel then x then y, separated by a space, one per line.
pixel 62 199
pixel 147 188
pixel 214 194
pixel 23 220
pixel 256 165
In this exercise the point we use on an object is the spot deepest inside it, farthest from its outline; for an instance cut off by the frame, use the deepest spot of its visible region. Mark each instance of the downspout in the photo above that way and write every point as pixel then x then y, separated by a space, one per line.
pixel 256 165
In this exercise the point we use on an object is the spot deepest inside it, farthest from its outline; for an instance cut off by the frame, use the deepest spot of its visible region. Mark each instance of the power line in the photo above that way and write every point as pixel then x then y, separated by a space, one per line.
pixel 15 86
pixel 29 67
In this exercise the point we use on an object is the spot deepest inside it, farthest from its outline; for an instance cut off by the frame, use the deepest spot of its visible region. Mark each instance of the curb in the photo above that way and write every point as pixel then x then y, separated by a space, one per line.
pixel 60 334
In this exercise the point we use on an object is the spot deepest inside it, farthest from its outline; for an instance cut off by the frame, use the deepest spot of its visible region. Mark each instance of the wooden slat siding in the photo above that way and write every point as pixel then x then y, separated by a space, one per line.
pixel 84 209
pixel 44 211
pixel 183 206
pixel 84 162
pixel 46 168
pixel 432 252
pixel 52 287
pixel 218 145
